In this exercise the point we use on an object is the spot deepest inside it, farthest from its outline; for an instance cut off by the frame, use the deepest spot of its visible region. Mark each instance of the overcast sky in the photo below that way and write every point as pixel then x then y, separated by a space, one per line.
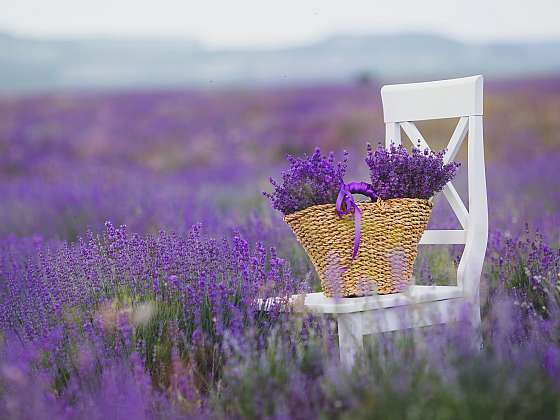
pixel 281 22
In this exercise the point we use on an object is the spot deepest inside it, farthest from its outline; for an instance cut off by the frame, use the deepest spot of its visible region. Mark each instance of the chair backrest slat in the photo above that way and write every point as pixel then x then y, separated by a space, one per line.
pixel 433 100
pixel 456 139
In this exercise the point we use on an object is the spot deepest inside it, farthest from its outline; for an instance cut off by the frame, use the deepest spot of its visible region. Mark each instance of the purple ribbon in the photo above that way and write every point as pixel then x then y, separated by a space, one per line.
pixel 345 205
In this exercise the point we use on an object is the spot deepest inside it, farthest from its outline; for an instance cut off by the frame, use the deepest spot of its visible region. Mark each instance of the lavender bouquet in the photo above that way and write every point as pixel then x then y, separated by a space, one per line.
pixel 309 181
pixel 317 179
pixel 397 174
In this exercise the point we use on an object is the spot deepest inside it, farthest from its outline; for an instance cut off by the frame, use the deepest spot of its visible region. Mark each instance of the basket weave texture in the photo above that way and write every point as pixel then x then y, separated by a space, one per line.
pixel 390 233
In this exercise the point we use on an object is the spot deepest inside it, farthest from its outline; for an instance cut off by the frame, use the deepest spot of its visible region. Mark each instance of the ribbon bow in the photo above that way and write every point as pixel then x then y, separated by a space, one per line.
pixel 345 205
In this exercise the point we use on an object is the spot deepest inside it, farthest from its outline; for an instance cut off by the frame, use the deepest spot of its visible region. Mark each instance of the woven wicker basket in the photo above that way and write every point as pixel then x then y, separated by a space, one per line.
pixel 390 232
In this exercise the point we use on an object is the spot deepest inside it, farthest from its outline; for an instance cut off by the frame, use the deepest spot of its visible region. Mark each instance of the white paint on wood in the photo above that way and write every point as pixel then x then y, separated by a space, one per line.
pixel 470 266
pixel 456 139
pixel 432 100
pixel 443 237
pixel 415 137
pixel 350 337
pixel 456 204
pixel 414 316
pixel 319 303
pixel 392 134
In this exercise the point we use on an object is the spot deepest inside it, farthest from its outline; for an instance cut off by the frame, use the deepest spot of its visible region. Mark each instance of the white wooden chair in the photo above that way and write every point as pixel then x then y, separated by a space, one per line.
pixel 426 305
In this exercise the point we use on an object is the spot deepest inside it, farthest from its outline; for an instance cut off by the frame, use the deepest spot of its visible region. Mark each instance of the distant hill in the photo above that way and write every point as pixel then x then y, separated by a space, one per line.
pixel 28 64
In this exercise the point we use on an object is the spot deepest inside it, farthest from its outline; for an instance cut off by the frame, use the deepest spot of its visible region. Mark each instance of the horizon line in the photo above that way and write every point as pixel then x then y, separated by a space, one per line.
pixel 130 37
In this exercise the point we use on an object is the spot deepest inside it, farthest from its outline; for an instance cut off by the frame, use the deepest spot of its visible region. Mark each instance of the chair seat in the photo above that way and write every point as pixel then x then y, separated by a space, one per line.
pixel 319 303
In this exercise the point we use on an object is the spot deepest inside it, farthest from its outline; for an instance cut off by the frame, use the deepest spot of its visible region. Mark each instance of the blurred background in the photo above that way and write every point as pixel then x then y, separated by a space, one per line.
pixel 163 114
pixel 139 44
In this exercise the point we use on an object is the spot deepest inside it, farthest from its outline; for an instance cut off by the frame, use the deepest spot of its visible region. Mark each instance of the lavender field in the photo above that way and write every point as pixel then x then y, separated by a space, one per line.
pixel 135 240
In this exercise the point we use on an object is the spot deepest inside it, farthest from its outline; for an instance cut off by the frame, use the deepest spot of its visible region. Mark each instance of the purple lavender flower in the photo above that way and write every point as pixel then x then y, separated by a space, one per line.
pixel 397 174
pixel 311 180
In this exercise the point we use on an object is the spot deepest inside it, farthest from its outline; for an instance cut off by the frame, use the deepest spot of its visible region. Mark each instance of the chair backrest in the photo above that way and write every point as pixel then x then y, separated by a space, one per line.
pixel 456 98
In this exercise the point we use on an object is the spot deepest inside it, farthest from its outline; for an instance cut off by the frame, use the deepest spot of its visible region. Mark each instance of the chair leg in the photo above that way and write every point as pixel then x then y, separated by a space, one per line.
pixel 477 328
pixel 350 338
